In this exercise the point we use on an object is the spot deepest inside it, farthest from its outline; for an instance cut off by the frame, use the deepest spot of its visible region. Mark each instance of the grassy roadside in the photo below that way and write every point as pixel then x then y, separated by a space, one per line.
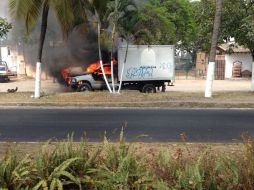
pixel 145 148
pixel 133 99
pixel 121 165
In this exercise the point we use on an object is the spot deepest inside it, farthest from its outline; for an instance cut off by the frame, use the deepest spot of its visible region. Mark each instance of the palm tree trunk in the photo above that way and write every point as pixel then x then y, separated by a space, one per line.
pixel 111 62
pixel 100 57
pixel 44 25
pixel 252 77
pixel 212 56
pixel 125 59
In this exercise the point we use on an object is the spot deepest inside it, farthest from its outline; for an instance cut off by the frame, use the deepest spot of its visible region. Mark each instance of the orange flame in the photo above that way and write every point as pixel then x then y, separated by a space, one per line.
pixel 92 68
pixel 96 67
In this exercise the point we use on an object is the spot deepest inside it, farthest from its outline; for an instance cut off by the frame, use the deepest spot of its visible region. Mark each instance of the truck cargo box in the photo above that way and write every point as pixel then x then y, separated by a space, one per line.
pixel 147 63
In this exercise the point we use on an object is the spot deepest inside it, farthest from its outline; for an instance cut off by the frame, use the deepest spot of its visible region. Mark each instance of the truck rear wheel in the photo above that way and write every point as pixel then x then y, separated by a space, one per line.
pixel 149 88
pixel 163 89
pixel 85 87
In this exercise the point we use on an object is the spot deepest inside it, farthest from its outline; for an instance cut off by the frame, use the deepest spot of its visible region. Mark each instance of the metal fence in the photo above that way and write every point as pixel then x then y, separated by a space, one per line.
pixel 188 71
pixel 185 69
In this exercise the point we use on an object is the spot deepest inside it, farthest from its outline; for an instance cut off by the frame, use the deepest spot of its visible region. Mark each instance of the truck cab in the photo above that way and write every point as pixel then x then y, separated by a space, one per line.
pixel 90 81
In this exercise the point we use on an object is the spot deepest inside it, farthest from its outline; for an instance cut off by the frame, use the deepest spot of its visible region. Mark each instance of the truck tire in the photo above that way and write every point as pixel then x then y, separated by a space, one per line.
pixel 149 88
pixel 85 87
pixel 163 89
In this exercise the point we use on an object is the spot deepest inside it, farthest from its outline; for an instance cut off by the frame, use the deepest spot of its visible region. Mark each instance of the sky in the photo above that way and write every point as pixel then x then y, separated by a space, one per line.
pixel 4 9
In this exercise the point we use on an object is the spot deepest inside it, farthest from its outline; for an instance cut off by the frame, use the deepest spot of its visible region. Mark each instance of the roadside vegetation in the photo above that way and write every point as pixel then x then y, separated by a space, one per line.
pixel 123 166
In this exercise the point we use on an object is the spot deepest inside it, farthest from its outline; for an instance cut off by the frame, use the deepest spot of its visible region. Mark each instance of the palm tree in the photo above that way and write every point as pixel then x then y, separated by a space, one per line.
pixel 98 8
pixel 121 14
pixel 212 55
pixel 69 13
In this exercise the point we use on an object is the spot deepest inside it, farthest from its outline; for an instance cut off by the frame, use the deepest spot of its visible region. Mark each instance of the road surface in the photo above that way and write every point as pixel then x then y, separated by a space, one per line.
pixel 149 125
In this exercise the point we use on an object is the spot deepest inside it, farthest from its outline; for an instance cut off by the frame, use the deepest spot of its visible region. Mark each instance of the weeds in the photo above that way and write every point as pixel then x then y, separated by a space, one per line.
pixel 122 169
pixel 121 166
pixel 15 172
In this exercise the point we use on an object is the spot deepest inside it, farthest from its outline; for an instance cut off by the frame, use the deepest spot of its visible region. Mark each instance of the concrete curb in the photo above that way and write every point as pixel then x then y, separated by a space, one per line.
pixel 120 108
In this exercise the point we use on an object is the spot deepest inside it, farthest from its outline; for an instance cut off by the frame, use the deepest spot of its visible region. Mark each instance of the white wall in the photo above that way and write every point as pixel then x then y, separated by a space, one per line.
pixel 4 54
pixel 244 58
pixel 10 59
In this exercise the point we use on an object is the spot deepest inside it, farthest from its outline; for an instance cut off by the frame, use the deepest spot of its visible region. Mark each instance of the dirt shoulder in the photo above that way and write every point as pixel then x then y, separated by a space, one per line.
pixel 150 149
pixel 132 99
pixel 51 86
pixel 184 94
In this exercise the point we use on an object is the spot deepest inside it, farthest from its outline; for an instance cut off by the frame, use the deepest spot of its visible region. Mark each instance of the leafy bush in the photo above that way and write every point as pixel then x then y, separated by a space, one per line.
pixel 15 173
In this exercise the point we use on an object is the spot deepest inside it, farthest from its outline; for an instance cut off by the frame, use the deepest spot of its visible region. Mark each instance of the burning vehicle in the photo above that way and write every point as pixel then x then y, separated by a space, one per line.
pixel 92 79
pixel 69 72
pixel 144 68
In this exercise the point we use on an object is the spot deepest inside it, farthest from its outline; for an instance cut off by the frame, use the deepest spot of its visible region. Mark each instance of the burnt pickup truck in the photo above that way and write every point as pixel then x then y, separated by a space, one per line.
pixel 94 80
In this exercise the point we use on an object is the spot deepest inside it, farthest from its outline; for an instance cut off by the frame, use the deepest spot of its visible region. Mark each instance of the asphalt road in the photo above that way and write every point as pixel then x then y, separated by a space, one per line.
pixel 149 125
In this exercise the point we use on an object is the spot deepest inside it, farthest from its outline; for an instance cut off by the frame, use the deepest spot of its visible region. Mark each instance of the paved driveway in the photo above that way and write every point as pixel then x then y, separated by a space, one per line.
pixel 49 86
pixel 27 85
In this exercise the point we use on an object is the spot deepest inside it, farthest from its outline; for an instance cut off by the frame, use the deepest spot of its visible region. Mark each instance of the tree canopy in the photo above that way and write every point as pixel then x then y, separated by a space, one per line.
pixel 4 27
pixel 244 33
pixel 188 24
pixel 167 22
pixel 237 22
pixel 203 14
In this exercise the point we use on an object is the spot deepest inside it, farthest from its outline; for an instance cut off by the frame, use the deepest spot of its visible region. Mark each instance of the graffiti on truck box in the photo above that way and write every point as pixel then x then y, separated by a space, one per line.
pixel 140 72
pixel 166 66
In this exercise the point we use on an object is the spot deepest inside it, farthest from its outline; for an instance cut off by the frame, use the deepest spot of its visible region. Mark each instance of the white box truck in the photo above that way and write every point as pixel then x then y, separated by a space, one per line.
pixel 147 68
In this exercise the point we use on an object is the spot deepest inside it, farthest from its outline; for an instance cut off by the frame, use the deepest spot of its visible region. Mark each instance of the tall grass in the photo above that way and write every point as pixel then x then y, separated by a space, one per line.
pixel 121 166
pixel 122 169
pixel 15 172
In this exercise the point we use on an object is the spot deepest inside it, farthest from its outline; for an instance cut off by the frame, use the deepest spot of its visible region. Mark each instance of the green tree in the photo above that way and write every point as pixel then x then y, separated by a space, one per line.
pixel 168 22
pixel 203 15
pixel 237 22
pixel 122 16
pixel 69 14
pixel 181 13
pixel 110 15
pixel 4 27
pixel 233 15
pixel 233 12
pixel 155 25
pixel 98 8
pixel 245 33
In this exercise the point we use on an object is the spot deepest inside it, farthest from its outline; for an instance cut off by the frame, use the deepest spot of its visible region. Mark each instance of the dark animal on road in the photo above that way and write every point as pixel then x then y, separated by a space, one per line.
pixel 12 90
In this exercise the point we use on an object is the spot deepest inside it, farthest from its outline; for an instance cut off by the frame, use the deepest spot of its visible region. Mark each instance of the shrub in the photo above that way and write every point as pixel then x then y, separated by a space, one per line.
pixel 15 173
pixel 122 169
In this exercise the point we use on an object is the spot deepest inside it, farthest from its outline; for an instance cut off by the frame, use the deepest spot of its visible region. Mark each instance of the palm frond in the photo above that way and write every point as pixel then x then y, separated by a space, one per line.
pixel 64 14
pixel 30 10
